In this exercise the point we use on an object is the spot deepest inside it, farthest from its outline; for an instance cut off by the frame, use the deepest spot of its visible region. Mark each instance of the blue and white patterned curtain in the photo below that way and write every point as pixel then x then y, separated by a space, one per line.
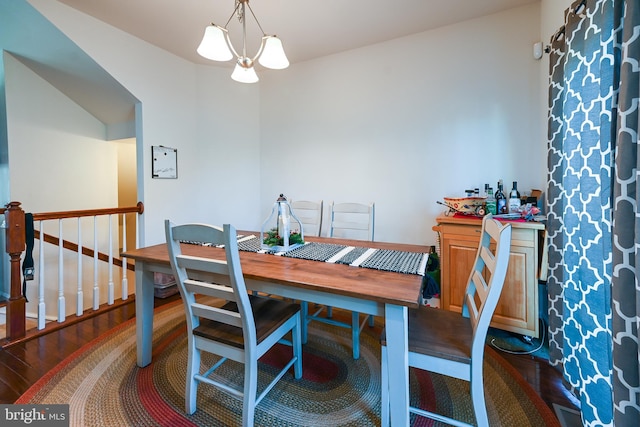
pixel 594 219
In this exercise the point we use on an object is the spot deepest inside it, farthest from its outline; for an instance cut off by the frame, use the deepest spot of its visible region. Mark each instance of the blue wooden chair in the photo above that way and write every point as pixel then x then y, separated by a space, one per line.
pixel 349 221
pixel 243 329
pixel 450 343
pixel 309 212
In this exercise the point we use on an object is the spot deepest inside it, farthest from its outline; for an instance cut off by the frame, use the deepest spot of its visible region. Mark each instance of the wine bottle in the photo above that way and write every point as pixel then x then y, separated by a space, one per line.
pixel 491 202
pixel 514 199
pixel 501 200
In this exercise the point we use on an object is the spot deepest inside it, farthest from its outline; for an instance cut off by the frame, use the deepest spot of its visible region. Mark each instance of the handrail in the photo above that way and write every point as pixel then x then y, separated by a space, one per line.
pixel 16 245
pixel 139 208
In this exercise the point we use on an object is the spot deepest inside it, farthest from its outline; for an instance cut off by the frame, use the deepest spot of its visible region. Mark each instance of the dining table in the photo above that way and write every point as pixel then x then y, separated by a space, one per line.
pixel 379 290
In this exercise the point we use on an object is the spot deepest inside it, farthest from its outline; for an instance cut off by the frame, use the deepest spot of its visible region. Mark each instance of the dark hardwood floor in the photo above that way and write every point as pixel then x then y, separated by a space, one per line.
pixel 22 364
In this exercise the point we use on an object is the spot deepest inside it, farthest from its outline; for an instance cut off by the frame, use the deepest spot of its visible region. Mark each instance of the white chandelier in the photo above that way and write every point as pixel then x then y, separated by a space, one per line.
pixel 216 45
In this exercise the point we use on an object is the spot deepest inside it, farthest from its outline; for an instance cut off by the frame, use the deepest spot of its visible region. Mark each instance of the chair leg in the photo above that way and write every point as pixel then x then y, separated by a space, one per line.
pixel 371 321
pixel 477 396
pixel 191 386
pixel 304 312
pixel 296 340
pixel 384 385
pixel 355 334
pixel 250 391
pixel 329 311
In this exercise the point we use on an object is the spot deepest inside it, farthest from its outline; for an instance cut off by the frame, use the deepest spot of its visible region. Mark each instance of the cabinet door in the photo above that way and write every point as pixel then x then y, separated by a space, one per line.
pixel 458 255
pixel 517 308
pixel 518 301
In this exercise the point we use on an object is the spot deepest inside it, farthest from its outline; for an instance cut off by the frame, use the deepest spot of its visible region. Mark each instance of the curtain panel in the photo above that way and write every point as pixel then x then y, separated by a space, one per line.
pixel 593 216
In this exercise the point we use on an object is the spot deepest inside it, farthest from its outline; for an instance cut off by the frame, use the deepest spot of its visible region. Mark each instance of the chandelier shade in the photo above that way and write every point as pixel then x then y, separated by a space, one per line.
pixel 216 46
pixel 273 55
pixel 244 73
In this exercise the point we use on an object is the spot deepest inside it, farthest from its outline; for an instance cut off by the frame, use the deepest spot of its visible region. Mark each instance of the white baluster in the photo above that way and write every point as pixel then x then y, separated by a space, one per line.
pixel 110 266
pixel 79 293
pixel 96 288
pixel 125 281
pixel 61 299
pixel 137 231
pixel 42 313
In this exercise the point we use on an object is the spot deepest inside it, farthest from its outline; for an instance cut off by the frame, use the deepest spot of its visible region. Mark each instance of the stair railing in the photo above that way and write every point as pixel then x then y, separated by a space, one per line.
pixel 16 245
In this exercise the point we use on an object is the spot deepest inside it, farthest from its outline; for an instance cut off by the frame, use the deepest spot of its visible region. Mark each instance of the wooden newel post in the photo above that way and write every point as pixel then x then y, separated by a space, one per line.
pixel 16 310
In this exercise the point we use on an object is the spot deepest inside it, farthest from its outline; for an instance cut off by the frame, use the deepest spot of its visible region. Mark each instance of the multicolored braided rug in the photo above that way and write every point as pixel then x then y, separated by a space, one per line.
pixel 104 387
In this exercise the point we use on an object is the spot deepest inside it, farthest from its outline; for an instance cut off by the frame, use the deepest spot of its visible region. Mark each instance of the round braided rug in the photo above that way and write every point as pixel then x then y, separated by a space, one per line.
pixel 104 387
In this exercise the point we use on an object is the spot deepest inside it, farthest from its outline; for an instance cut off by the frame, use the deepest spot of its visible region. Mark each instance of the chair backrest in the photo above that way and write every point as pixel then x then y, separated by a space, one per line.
pixel 487 279
pixel 310 215
pixel 194 276
pixel 352 220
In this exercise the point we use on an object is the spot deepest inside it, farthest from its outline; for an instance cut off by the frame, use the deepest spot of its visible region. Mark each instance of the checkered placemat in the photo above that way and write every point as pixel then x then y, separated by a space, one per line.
pixel 191 242
pixel 249 244
pixel 352 256
pixel 315 251
pixel 378 259
pixel 398 261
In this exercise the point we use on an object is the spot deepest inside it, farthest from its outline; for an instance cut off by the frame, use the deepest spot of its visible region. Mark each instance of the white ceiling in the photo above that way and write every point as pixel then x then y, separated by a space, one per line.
pixel 308 29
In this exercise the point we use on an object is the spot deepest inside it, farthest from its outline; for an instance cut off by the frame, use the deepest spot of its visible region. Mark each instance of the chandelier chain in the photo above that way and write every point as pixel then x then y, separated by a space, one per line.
pixel 239 11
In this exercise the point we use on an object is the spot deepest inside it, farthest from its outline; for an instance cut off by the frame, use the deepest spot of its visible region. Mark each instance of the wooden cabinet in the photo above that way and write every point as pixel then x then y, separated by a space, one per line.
pixel 517 310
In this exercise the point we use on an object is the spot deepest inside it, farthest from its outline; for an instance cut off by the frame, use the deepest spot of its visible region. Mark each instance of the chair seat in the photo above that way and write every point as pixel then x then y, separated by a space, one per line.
pixel 439 333
pixel 269 314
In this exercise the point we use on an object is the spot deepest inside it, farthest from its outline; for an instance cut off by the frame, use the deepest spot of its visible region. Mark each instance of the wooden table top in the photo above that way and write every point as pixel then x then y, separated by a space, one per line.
pixel 380 286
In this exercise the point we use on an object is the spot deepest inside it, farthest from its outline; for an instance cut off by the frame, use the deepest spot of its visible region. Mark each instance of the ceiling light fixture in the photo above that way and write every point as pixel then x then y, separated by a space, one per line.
pixel 216 45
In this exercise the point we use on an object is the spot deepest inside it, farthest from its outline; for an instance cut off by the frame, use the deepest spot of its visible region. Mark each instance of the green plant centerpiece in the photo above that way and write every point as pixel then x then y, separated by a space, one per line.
pixel 272 238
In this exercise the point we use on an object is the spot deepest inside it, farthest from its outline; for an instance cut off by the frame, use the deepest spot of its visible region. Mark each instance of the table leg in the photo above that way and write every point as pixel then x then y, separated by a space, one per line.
pixel 144 313
pixel 396 324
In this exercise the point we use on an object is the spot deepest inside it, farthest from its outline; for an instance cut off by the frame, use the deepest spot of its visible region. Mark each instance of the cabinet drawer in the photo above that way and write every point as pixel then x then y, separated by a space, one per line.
pixel 461 230
pixel 525 235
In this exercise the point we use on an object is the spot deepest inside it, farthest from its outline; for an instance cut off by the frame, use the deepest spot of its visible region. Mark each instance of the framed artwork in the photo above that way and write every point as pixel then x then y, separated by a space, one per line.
pixel 164 162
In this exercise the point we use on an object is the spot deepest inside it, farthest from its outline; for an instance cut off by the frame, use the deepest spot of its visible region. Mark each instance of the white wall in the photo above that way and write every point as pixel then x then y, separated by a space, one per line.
pixel 228 149
pixel 69 167
pixel 407 122
pixel 552 17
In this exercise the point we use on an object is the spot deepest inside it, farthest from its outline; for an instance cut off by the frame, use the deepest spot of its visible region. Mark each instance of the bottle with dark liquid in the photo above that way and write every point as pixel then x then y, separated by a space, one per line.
pixel 501 200
pixel 514 199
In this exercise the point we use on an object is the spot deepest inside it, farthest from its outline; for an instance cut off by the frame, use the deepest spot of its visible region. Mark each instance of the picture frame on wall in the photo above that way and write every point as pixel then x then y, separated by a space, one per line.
pixel 164 162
